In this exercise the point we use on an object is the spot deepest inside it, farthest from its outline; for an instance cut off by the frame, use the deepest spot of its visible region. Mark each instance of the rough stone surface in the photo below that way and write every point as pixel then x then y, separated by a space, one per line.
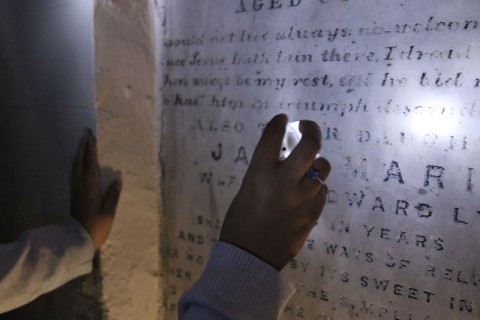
pixel 129 141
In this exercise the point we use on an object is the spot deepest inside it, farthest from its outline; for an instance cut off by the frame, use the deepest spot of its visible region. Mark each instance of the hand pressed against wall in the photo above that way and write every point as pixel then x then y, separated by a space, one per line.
pixel 278 204
pixel 94 212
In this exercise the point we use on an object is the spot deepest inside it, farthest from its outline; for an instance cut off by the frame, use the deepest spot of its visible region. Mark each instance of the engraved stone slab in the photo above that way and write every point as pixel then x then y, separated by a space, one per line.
pixel 395 87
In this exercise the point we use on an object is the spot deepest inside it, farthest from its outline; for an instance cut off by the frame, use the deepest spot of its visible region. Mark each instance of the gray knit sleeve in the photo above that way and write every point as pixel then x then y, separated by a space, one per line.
pixel 236 285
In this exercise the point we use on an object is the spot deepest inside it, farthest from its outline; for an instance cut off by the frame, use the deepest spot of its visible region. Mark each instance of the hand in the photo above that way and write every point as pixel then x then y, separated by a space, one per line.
pixel 278 204
pixel 86 204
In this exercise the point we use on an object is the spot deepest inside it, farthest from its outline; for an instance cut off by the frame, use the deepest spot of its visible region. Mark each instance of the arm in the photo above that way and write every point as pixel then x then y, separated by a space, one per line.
pixel 45 258
pixel 266 225
pixel 236 285
pixel 41 260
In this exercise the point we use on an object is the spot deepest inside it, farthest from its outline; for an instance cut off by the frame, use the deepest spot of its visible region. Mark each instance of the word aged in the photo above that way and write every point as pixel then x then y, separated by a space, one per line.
pixel 257 5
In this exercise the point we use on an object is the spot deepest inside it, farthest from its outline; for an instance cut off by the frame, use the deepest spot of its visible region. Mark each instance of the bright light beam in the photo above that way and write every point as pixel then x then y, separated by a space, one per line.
pixel 435 115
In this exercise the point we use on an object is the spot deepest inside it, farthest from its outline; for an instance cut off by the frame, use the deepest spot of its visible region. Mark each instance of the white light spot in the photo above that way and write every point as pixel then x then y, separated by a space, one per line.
pixel 435 115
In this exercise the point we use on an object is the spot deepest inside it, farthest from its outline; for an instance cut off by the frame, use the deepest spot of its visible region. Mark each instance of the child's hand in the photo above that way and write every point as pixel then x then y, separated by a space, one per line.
pixel 93 212
pixel 278 203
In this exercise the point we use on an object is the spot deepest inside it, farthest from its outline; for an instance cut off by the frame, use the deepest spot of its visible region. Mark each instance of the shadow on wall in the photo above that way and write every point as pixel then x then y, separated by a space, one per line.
pixel 46 99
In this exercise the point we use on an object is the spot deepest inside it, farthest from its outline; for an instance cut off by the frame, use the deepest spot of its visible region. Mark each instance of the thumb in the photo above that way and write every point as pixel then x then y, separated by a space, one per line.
pixel 111 198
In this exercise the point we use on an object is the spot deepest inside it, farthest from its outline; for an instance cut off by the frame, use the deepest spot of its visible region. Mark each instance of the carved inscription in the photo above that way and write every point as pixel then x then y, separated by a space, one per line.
pixel 395 89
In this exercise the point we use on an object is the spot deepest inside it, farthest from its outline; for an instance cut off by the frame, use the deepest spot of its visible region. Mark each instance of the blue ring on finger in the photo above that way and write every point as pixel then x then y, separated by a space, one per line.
pixel 314 174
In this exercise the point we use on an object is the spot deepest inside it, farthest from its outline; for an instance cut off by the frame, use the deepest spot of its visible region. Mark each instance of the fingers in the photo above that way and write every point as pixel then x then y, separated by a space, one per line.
pixel 318 203
pixel 86 158
pixel 267 152
pixel 91 157
pixel 91 149
pixel 86 204
pixel 111 198
pixel 78 163
pixel 91 170
pixel 309 211
pixel 301 158
pixel 310 185
pixel 323 167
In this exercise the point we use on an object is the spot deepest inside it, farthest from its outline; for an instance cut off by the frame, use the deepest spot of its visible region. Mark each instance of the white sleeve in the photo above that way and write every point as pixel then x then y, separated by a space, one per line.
pixel 42 260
